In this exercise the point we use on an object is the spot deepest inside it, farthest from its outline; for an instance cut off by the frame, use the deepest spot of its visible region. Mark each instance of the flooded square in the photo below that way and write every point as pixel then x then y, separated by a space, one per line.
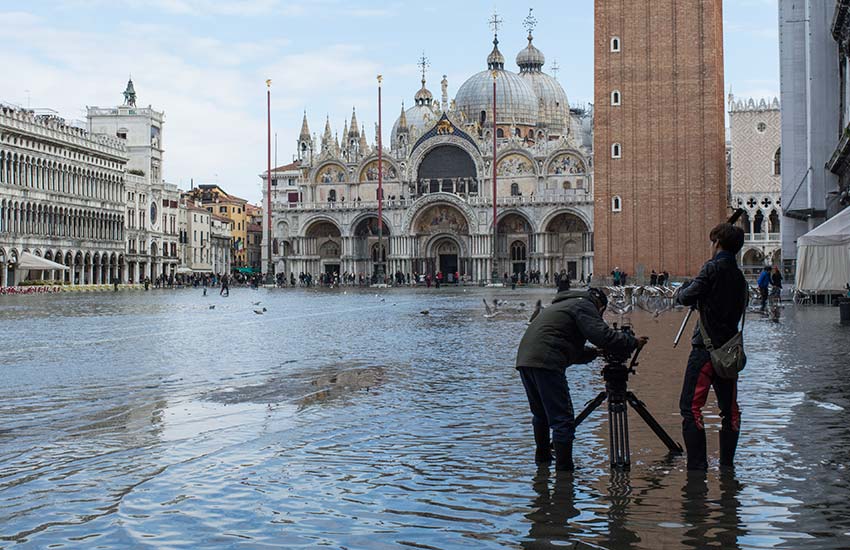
pixel 348 419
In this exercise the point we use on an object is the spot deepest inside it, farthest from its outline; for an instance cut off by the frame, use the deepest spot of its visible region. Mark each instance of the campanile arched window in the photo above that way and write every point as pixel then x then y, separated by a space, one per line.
pixel 616 204
pixel 615 98
pixel 616 151
pixel 615 44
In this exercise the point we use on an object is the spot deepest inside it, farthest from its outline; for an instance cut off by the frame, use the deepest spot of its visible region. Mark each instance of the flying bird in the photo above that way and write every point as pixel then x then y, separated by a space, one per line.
pixel 212 307
pixel 424 312
pixel 490 312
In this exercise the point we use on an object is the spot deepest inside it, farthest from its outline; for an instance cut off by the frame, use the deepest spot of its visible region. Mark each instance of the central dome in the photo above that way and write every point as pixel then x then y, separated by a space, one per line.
pixel 516 102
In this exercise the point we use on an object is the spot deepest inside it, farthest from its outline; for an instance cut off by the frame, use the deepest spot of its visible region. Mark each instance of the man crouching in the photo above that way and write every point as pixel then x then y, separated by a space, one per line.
pixel 553 341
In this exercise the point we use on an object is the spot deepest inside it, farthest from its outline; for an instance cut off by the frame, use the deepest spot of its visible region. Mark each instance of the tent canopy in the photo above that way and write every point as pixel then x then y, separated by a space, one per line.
pixel 823 255
pixel 31 261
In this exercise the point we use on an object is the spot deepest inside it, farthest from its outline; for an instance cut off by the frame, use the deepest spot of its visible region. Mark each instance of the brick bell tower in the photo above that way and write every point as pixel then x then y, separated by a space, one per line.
pixel 659 136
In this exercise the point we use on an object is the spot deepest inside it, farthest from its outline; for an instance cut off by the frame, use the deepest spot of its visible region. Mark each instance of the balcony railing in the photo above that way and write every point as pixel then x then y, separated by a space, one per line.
pixel 570 197
pixel 762 237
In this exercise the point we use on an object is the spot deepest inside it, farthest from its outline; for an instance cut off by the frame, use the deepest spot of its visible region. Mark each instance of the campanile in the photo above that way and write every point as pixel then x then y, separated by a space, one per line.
pixel 659 137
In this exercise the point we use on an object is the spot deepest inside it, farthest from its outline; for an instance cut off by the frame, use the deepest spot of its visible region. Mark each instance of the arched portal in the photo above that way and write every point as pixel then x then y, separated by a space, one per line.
pixel 513 228
pixel 365 244
pixel 448 169
pixel 323 244
pixel 568 246
pixel 442 232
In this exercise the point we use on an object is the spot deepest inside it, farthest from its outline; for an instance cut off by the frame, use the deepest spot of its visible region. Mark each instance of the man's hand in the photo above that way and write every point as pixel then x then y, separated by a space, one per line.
pixel 641 341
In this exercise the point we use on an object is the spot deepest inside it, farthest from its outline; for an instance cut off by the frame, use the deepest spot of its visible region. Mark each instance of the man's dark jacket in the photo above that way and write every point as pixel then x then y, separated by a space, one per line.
pixel 720 292
pixel 557 336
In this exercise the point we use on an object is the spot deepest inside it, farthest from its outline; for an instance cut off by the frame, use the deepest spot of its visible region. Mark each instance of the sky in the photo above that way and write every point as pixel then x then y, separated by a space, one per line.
pixel 205 63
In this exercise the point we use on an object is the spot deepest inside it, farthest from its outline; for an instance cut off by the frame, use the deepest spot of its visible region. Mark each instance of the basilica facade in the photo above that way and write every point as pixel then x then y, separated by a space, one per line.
pixel 438 186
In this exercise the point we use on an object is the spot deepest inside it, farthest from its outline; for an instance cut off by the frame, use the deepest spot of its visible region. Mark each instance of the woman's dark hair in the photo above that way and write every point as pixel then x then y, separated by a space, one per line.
pixel 730 237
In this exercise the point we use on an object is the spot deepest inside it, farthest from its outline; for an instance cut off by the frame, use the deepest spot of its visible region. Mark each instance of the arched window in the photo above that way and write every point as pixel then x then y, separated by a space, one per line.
pixel 777 162
pixel 616 151
pixel 500 133
pixel 616 204
pixel 514 189
pixel 518 251
pixel 615 44
pixel 615 98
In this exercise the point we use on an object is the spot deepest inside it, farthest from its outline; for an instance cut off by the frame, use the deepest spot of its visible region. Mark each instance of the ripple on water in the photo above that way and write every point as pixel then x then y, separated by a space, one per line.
pixel 148 419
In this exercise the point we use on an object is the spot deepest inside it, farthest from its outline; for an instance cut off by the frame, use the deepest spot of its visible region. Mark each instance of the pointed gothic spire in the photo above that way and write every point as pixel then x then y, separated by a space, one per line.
pixel 353 131
pixel 327 137
pixel 305 130
pixel 402 121
pixel 364 146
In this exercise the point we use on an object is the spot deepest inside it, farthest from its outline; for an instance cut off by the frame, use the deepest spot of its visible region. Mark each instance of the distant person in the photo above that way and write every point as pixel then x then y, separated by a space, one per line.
pixel 653 278
pixel 776 283
pixel 225 286
pixel 763 284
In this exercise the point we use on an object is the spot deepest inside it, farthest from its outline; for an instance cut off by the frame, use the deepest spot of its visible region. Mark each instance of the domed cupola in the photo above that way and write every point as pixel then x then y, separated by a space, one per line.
pixel 419 118
pixel 516 102
pixel 554 108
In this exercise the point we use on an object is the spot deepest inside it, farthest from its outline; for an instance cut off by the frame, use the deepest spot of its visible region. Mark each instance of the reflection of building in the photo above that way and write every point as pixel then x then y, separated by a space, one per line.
pixel 151 204
pixel 815 68
pixel 756 178
pixel 61 198
pixel 217 201
pixel 660 177
pixel 437 184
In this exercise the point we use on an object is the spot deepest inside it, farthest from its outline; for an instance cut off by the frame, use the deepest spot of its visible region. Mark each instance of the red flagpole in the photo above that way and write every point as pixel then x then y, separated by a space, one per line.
pixel 495 170
pixel 380 191
pixel 269 175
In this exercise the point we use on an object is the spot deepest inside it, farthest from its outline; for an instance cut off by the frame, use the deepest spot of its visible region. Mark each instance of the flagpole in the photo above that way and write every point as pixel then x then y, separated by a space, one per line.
pixel 381 276
pixel 270 268
pixel 495 271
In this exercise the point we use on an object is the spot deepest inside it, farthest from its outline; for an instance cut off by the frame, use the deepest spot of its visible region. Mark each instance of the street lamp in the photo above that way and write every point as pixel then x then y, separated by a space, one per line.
pixel 270 268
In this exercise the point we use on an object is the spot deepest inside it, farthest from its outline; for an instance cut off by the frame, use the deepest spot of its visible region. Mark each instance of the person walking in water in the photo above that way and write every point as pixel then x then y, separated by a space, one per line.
pixel 225 286
pixel 763 284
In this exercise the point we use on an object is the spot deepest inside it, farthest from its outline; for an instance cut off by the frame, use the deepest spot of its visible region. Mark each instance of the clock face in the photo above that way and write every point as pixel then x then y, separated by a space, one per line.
pixel 153 213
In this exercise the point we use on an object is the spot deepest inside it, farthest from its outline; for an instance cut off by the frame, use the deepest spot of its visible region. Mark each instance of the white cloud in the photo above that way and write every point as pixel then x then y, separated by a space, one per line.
pixel 212 91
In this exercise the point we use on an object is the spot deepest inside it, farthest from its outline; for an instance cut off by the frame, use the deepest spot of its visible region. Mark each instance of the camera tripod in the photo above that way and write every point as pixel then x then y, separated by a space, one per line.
pixel 616 375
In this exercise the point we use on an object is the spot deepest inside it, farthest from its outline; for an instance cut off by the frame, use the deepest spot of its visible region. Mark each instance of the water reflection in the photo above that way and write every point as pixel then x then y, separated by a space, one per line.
pixel 339 420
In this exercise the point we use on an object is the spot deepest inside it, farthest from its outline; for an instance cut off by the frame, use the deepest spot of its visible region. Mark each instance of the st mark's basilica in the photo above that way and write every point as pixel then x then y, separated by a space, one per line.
pixel 438 209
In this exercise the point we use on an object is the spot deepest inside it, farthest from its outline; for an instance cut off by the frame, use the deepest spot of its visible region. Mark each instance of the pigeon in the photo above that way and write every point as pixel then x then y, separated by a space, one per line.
pixel 212 307
pixel 255 303
pixel 259 312
pixel 538 307
pixel 424 312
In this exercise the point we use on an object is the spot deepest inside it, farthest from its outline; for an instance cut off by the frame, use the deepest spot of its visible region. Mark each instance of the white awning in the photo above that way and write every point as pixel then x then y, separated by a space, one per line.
pixel 31 261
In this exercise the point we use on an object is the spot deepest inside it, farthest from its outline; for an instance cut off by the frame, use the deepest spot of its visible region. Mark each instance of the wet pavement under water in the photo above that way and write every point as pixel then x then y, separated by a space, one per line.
pixel 338 420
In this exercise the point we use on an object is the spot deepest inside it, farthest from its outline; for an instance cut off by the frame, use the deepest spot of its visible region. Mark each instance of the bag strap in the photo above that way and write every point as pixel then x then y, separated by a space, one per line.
pixel 702 324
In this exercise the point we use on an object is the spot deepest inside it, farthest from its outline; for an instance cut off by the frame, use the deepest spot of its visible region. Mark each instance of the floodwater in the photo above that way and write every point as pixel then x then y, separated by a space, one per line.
pixel 338 420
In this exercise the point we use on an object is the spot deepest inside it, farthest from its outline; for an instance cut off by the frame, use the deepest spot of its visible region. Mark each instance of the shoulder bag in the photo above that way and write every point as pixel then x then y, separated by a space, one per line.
pixel 729 359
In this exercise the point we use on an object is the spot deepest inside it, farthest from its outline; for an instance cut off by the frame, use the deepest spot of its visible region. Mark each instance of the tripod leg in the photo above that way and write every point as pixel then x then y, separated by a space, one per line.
pixel 638 405
pixel 619 435
pixel 591 406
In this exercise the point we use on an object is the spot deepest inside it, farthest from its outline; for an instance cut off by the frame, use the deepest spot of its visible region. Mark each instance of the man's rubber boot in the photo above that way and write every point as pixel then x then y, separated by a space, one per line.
pixel 728 444
pixel 564 457
pixel 543 454
pixel 695 447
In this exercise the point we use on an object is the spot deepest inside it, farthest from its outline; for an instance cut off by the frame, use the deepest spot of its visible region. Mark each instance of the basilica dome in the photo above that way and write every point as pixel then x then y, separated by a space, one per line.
pixel 555 109
pixel 419 118
pixel 516 102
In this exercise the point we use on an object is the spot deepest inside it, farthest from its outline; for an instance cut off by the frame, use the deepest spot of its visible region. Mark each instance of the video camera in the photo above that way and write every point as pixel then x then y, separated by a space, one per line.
pixel 614 359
